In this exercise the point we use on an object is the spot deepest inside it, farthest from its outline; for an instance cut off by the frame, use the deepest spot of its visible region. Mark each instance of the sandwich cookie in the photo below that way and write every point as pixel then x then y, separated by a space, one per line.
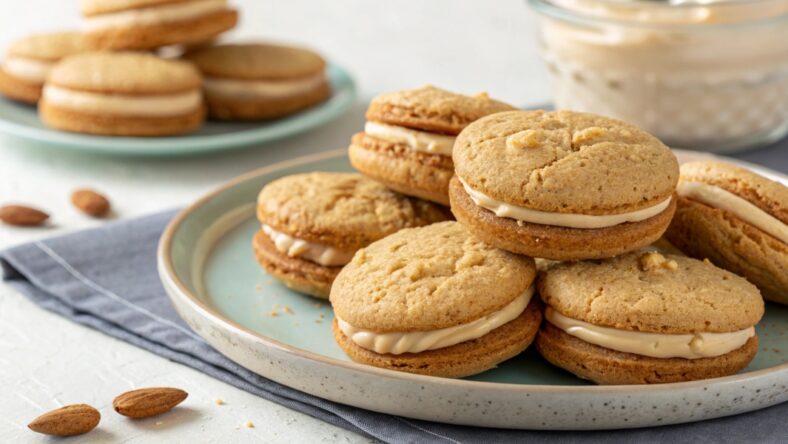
pixel 436 301
pixel 28 62
pixel 260 81
pixel 645 318
pixel 738 220
pixel 313 223
pixel 123 94
pixel 408 138
pixel 149 24
pixel 562 185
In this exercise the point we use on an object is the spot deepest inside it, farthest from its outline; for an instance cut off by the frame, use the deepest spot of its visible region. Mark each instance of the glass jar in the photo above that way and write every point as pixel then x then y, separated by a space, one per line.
pixel 704 74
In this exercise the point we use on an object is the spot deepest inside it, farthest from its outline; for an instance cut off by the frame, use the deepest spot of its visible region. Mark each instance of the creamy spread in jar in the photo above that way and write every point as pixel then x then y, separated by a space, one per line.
pixel 709 74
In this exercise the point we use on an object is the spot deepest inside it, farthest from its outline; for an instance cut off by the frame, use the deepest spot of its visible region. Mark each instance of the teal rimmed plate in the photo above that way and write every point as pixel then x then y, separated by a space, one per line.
pixel 21 121
pixel 207 267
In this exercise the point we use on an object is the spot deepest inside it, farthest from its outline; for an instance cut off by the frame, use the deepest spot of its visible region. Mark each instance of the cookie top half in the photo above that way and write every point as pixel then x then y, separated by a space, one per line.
pixel 768 195
pixel 344 210
pixel 49 47
pixel 432 109
pixel 428 278
pixel 125 73
pixel 565 162
pixel 651 292
pixel 257 61
pixel 96 7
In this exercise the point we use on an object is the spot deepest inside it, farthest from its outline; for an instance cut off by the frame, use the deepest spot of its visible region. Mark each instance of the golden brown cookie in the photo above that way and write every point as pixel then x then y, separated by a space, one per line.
pixel 562 185
pixel 129 94
pixel 29 60
pixel 313 223
pixel 149 24
pixel 435 300
pixel 646 317
pixel 260 81
pixel 408 138
pixel 737 219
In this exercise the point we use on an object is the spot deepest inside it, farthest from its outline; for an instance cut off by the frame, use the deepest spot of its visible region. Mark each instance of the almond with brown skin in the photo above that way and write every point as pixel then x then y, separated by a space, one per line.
pixel 91 202
pixel 69 420
pixel 22 215
pixel 147 402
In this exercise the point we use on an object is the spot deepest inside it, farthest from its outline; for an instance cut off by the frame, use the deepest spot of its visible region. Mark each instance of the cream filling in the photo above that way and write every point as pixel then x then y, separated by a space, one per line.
pixel 261 89
pixel 319 253
pixel 31 70
pixel 417 140
pixel 154 15
pixel 655 345
pixel 725 200
pixel 502 209
pixel 165 105
pixel 419 341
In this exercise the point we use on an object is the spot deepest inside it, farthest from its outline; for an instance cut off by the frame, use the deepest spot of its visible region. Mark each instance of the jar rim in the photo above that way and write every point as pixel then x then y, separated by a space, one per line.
pixel 551 9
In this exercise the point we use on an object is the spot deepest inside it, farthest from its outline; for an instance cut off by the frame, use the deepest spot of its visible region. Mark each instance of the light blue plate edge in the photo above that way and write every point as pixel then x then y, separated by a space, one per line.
pixel 343 96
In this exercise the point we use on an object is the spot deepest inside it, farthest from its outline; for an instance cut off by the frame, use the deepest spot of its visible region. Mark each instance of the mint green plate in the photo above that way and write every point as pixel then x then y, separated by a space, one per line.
pixel 21 121
pixel 208 268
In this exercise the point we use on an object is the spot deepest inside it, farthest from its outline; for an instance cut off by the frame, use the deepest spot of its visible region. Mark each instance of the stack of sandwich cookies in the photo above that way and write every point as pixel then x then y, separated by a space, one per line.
pixel 407 141
pixel 128 94
pixel 435 300
pixel 149 24
pixel 562 185
pixel 28 62
pixel 738 220
pixel 645 318
pixel 312 224
pixel 260 81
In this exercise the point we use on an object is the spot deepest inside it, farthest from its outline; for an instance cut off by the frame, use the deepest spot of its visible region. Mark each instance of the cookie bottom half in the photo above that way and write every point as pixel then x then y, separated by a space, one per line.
pixel 605 366
pixel 553 242
pixel 460 360
pixel 18 89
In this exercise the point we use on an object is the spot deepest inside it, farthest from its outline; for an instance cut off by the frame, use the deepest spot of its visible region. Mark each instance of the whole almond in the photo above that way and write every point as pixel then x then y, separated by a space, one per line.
pixel 69 420
pixel 91 202
pixel 148 402
pixel 22 215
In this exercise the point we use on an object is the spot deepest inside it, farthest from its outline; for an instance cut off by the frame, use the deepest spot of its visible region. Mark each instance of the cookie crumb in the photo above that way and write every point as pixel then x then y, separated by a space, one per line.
pixel 249 424
pixel 482 95
pixel 273 314
pixel 653 261
pixel 707 261
pixel 287 310
pixel 219 401
pixel 318 321
pixel 524 139
pixel 317 305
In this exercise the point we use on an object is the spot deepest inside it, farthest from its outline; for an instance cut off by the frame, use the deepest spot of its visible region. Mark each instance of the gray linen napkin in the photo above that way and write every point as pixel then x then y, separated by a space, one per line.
pixel 106 278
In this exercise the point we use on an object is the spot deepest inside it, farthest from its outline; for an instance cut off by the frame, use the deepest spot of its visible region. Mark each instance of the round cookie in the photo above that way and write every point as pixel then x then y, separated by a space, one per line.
pixel 738 220
pixel 123 94
pixel 29 60
pixel 645 318
pixel 260 81
pixel 407 141
pixel 149 24
pixel 562 185
pixel 435 300
pixel 313 223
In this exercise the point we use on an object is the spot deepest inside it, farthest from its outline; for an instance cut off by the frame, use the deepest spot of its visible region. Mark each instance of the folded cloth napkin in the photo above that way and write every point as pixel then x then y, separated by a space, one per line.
pixel 106 278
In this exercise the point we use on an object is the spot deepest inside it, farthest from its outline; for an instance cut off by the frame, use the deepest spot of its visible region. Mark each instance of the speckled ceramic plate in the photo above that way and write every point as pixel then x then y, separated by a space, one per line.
pixel 21 121
pixel 207 267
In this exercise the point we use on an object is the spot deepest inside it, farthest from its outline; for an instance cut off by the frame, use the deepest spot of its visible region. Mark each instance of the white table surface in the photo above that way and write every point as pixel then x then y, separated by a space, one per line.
pixel 47 361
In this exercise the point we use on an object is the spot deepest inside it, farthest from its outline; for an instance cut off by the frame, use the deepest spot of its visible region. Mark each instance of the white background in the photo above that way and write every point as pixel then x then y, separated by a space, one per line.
pixel 46 361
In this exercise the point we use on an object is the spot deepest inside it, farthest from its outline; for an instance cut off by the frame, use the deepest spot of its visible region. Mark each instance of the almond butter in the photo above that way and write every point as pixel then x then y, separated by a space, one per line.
pixel 69 420
pixel 147 402
pixel 91 202
pixel 22 215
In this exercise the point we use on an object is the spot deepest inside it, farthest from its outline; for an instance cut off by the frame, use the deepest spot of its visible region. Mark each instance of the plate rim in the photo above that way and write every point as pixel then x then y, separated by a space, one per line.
pixel 337 105
pixel 167 272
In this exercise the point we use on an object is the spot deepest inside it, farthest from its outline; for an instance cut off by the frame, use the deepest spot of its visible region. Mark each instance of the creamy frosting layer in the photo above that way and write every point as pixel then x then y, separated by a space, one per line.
pixel 717 197
pixel 419 341
pixel 261 89
pixel 322 254
pixel 166 105
pixel 503 209
pixel 31 70
pixel 154 15
pixel 655 345
pixel 417 140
